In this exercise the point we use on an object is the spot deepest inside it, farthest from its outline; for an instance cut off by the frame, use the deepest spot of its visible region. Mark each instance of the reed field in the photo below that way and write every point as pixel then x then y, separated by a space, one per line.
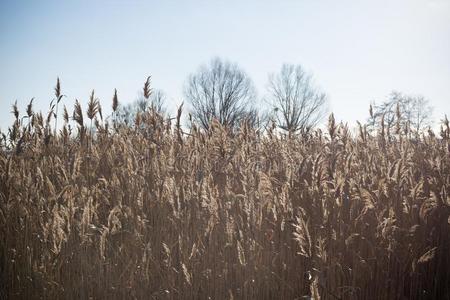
pixel 94 209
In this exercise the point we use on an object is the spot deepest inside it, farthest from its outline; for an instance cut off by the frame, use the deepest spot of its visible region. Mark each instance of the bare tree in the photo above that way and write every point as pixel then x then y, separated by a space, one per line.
pixel 404 111
pixel 297 103
pixel 220 91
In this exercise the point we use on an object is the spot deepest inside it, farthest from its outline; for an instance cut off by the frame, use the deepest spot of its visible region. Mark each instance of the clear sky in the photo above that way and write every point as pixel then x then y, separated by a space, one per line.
pixel 359 50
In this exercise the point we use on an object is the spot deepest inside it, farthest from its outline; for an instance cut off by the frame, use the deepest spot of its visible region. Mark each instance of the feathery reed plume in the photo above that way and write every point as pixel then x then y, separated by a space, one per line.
pixel 78 113
pixel 15 110
pixel 178 126
pixel 66 115
pixel 93 106
pixel 57 89
pixel 115 102
pixel 399 117
pixel 30 108
pixel 331 126
pixel 58 98
pixel 147 89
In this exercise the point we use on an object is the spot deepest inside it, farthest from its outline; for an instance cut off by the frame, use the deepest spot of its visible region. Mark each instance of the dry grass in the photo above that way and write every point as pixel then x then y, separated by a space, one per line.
pixel 150 212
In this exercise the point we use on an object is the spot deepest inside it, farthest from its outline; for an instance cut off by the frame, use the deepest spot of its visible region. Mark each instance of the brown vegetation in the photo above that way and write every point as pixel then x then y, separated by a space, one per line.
pixel 151 212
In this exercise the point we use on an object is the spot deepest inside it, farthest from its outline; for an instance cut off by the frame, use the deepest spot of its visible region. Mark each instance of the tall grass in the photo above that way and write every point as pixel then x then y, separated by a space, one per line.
pixel 152 212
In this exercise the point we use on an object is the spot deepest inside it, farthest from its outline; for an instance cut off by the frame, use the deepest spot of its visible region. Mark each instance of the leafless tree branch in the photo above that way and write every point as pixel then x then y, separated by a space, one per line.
pixel 297 103
pixel 220 91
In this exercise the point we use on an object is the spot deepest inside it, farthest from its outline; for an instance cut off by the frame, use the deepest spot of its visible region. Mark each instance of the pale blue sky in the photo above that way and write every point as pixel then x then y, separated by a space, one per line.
pixel 358 51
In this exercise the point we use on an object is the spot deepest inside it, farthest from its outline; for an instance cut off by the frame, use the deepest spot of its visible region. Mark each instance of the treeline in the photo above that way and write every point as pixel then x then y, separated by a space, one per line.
pixel 293 101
